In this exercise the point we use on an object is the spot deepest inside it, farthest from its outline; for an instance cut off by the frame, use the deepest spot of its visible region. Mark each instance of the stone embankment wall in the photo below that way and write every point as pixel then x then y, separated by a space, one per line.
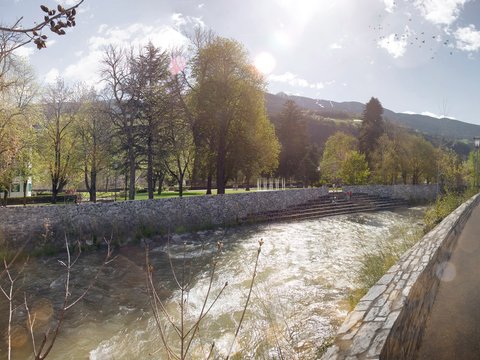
pixel 129 220
pixel 388 321
pixel 406 192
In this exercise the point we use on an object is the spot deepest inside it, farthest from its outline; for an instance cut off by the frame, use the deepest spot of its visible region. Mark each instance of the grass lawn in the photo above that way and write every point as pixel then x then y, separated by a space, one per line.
pixel 164 195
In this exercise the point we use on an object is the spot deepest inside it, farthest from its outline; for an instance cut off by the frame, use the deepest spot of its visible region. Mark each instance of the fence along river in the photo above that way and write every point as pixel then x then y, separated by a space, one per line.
pixel 306 270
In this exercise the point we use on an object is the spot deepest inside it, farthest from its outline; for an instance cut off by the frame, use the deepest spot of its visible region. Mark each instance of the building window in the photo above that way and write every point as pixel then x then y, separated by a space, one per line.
pixel 29 187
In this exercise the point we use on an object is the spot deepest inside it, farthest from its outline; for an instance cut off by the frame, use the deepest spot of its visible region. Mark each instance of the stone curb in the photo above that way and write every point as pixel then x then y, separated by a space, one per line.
pixel 388 321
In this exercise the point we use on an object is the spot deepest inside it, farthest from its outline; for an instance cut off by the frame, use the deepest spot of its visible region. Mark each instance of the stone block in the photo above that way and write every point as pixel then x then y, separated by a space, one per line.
pixel 374 292
pixel 362 341
pixel 352 319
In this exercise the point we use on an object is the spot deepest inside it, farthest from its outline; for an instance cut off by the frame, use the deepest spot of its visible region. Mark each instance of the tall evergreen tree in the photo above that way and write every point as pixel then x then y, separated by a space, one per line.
pixel 292 135
pixel 372 128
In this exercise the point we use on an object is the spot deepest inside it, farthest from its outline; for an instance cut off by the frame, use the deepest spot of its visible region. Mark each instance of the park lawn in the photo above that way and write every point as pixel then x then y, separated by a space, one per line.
pixel 165 194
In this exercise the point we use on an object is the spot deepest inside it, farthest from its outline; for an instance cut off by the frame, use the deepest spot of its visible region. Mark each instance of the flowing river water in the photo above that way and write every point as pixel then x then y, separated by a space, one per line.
pixel 305 272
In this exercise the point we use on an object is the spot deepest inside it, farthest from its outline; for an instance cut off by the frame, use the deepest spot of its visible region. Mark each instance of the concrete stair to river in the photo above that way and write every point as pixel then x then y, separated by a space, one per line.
pixel 335 203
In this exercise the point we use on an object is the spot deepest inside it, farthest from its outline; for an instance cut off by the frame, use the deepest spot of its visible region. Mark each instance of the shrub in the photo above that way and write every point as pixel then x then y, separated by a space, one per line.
pixel 376 264
pixel 444 205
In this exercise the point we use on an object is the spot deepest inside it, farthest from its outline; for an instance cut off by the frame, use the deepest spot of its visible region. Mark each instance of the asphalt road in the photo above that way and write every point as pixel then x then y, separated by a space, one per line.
pixel 453 328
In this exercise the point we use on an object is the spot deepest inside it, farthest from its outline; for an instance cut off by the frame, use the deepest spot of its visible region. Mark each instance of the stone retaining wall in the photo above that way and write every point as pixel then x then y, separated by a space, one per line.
pixel 129 220
pixel 389 320
pixel 406 192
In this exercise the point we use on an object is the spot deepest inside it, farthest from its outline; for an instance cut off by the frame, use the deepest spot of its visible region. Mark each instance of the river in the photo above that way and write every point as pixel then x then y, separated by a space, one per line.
pixel 305 272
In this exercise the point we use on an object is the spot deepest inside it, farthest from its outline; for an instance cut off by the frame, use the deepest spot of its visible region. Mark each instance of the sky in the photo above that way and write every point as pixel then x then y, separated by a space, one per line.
pixel 417 56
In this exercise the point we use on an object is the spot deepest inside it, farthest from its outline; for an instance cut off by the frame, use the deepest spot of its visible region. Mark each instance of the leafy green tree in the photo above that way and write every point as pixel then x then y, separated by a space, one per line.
pixel 355 169
pixel 18 89
pixel 451 172
pixel 387 160
pixel 470 169
pixel 336 151
pixel 292 135
pixel 148 86
pixel 226 84
pixel 177 139
pixel 94 131
pixel 57 142
pixel 421 159
pixel 309 166
pixel 257 149
pixel 372 128
pixel 123 110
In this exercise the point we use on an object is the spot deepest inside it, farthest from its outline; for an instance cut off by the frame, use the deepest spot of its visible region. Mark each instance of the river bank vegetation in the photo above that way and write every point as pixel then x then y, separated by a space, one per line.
pixel 374 264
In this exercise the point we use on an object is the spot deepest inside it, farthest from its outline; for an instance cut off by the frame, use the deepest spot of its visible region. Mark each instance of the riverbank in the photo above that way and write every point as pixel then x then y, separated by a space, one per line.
pixel 306 270
pixel 129 221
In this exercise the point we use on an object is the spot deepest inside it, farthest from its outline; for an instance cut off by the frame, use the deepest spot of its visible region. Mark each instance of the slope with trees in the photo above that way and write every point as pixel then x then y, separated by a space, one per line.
pixel 291 133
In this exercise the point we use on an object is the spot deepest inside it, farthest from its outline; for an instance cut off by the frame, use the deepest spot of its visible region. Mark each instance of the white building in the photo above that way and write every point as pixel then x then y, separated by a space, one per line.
pixel 16 188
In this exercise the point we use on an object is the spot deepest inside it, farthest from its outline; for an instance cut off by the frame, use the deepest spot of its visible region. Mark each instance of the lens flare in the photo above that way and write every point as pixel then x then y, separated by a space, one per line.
pixel 265 63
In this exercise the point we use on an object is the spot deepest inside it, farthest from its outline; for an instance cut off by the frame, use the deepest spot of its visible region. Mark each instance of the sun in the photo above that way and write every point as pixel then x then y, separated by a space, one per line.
pixel 265 63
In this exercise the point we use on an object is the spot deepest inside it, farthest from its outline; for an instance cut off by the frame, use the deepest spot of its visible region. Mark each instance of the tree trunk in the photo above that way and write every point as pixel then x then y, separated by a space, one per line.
pixel 247 186
pixel 25 183
pixel 150 182
pixel 5 194
pixel 209 183
pixel 93 185
pixel 221 165
pixel 160 178
pixel 132 168
pixel 180 185
pixel 54 191
pixel 85 176
pixel 126 186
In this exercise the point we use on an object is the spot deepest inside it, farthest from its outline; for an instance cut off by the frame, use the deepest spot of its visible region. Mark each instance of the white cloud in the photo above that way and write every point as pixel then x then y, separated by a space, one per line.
pixel 294 80
pixel 51 42
pixel 102 28
pixel 24 51
pixel 390 5
pixel 67 2
pixel 468 38
pixel 181 21
pixel 335 46
pixel 52 76
pixel 440 12
pixel 395 46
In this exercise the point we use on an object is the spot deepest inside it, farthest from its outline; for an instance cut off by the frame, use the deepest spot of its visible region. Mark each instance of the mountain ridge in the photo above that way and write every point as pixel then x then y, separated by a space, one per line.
pixel 444 127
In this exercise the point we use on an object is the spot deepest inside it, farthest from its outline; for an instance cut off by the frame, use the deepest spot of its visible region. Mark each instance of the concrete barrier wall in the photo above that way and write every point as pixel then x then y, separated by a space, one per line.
pixel 406 192
pixel 389 320
pixel 129 220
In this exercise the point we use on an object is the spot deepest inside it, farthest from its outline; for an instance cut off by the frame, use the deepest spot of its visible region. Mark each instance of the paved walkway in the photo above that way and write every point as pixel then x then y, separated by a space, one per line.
pixel 453 328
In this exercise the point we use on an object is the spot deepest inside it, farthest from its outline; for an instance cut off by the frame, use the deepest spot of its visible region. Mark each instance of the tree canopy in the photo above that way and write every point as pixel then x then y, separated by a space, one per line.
pixel 372 127
pixel 229 104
